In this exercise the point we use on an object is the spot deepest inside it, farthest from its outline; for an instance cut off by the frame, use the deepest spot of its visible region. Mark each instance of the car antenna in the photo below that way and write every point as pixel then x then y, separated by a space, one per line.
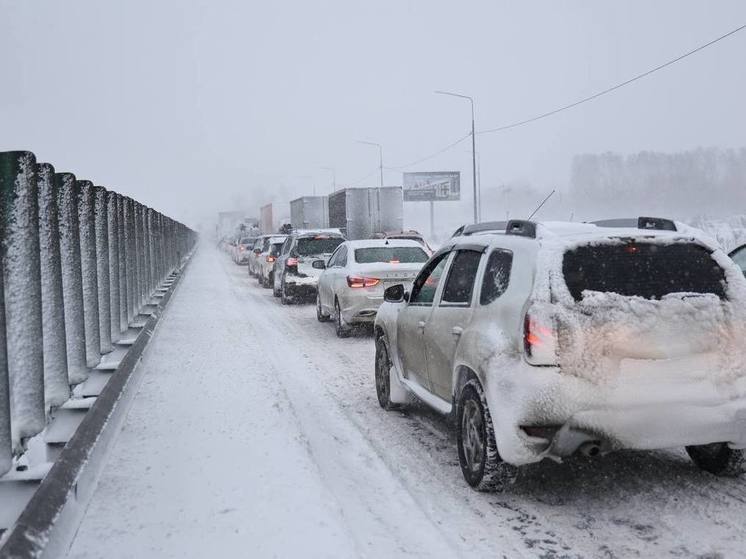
pixel 540 205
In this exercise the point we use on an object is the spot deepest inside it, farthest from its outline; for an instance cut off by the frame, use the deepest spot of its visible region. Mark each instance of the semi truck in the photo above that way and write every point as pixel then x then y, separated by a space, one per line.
pixel 309 212
pixel 363 213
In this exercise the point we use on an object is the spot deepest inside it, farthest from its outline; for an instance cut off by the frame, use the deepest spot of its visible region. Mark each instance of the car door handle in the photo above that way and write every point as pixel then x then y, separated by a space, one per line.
pixel 421 325
pixel 457 331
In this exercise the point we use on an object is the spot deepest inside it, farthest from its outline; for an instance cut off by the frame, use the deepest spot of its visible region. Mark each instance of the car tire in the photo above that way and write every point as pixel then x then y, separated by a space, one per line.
pixel 270 281
pixel 383 376
pixel 718 459
pixel 320 316
pixel 480 461
pixel 284 298
pixel 342 330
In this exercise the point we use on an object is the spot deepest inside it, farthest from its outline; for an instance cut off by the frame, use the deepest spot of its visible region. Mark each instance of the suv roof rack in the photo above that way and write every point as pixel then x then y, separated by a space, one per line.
pixel 655 223
pixel 521 228
pixel 484 226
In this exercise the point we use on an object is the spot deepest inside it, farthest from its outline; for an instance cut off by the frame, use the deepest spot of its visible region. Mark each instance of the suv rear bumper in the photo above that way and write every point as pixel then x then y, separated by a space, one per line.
pixel 664 411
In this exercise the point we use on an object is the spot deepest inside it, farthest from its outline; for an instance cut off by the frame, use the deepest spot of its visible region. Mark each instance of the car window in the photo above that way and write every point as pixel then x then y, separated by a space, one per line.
pixel 496 276
pixel 286 245
pixel 406 255
pixel 426 284
pixel 342 257
pixel 265 245
pixel 320 244
pixel 739 257
pixel 333 258
pixel 276 248
pixel 461 277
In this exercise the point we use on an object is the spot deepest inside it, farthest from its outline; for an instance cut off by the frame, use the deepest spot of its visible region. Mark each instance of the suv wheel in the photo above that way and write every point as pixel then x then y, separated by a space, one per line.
pixel 718 459
pixel 320 316
pixel 284 298
pixel 480 461
pixel 343 331
pixel 383 375
pixel 275 291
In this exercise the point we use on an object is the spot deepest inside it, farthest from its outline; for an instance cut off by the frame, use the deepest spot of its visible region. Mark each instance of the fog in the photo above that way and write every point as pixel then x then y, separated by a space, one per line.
pixel 195 107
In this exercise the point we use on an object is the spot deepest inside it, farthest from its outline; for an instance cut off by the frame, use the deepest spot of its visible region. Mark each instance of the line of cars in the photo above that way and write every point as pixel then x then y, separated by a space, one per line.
pixel 545 340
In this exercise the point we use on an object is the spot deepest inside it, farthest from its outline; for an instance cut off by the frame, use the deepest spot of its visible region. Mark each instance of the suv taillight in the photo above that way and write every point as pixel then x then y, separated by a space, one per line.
pixel 539 338
pixel 271 258
pixel 360 281
pixel 291 262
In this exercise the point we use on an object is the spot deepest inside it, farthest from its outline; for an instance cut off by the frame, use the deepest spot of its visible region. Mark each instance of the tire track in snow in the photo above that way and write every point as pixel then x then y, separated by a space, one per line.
pixel 625 504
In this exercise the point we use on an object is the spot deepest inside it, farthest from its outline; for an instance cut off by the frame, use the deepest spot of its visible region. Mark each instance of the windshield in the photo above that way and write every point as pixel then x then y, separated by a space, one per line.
pixel 405 255
pixel 643 269
pixel 321 244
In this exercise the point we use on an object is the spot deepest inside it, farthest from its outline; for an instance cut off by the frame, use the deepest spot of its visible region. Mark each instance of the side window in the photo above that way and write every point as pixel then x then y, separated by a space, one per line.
pixel 286 246
pixel 739 257
pixel 426 284
pixel 342 259
pixel 461 277
pixel 333 259
pixel 496 276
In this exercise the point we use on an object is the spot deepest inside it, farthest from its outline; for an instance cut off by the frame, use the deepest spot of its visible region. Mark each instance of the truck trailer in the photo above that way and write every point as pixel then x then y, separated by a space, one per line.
pixel 362 213
pixel 309 212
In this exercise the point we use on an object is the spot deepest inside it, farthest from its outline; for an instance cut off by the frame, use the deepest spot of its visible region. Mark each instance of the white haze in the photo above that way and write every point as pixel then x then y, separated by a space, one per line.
pixel 195 107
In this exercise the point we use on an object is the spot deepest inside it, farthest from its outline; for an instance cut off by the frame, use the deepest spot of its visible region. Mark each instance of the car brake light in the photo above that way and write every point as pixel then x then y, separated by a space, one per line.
pixel 291 262
pixel 271 258
pixel 539 339
pixel 393 262
pixel 241 248
pixel 360 281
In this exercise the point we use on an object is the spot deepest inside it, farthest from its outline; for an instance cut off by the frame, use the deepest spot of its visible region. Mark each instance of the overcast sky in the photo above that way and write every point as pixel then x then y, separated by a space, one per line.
pixel 192 107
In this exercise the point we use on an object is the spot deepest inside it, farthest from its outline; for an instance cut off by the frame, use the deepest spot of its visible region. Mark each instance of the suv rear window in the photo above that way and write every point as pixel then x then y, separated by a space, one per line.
pixel 643 269
pixel 309 246
pixel 405 255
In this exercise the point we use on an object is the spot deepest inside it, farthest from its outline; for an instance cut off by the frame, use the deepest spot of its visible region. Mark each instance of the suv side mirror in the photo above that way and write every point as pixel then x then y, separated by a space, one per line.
pixel 395 294
pixel 319 264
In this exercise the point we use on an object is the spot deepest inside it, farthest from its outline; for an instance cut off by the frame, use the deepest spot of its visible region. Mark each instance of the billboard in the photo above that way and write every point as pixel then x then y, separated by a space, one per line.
pixel 432 186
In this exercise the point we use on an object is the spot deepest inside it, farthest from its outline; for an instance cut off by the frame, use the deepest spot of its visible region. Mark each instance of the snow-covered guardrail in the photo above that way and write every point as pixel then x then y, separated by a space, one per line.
pixel 80 265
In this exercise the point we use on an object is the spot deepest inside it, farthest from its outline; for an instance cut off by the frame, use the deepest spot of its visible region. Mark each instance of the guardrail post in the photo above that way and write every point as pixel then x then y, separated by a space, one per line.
pixel 151 252
pixel 122 237
pixel 101 217
pixel 129 246
pixel 86 209
pixel 142 250
pixel 72 277
pixel 6 443
pixel 22 288
pixel 56 383
pixel 112 233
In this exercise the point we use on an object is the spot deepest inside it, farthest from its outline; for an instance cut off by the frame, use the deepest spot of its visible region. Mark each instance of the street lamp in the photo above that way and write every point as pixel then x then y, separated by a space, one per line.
pixel 380 154
pixel 473 148
pixel 334 176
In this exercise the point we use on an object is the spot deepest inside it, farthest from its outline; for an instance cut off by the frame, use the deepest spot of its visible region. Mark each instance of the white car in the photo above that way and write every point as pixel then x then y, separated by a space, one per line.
pixel 350 289
pixel 554 338
pixel 266 259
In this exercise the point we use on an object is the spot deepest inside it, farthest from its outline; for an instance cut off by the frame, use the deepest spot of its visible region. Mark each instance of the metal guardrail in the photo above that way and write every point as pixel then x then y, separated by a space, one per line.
pixel 78 266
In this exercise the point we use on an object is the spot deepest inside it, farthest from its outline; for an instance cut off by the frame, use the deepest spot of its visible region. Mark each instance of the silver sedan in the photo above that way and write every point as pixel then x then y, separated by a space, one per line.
pixel 351 286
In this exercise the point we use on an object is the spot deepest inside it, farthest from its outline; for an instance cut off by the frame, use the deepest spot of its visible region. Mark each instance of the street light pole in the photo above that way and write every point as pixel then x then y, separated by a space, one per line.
pixel 334 177
pixel 473 148
pixel 380 154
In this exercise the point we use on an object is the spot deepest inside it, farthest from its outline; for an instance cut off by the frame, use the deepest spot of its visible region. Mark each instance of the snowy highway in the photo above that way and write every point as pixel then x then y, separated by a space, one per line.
pixel 257 432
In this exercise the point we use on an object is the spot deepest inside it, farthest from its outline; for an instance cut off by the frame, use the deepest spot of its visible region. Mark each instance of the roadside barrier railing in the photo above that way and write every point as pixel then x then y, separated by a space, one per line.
pixel 78 265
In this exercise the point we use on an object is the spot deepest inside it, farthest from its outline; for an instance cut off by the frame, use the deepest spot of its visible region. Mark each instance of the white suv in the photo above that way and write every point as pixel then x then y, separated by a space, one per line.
pixel 548 339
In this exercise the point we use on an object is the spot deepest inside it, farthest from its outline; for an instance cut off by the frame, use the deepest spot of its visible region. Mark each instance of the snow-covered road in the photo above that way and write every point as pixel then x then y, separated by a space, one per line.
pixel 257 433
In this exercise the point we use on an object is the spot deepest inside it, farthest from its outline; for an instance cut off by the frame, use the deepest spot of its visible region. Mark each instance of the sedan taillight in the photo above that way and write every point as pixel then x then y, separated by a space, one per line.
pixel 291 262
pixel 271 258
pixel 360 281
